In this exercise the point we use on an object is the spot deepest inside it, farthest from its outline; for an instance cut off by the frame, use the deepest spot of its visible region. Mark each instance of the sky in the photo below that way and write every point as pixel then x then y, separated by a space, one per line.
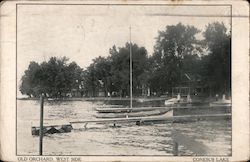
pixel 84 32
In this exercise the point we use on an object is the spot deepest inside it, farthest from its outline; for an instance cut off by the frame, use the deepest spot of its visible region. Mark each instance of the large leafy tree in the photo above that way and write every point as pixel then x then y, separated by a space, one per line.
pixel 97 76
pixel 217 64
pixel 29 83
pixel 176 47
pixel 120 68
pixel 111 74
pixel 54 78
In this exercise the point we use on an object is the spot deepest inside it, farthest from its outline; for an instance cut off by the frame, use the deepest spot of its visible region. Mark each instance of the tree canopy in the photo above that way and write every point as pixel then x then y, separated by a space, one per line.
pixel 54 78
pixel 217 71
pixel 175 53
pixel 178 54
pixel 112 73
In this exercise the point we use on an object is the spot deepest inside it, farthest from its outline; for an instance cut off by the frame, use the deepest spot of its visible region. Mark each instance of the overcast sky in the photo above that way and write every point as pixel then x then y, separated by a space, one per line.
pixel 84 32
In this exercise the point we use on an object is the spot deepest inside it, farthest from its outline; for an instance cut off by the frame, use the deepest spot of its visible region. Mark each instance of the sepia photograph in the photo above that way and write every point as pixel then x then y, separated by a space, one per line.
pixel 123 79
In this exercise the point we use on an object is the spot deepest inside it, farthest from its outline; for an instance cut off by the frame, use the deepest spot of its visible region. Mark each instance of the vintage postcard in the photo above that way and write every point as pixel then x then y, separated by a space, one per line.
pixel 134 80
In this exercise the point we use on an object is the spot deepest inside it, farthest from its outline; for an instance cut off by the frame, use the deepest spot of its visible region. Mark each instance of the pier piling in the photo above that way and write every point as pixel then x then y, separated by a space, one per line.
pixel 41 126
pixel 175 149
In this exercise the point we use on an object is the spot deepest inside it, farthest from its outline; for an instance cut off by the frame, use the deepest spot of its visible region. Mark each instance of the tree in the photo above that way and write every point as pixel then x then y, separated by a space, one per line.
pixel 29 81
pixel 98 76
pixel 54 78
pixel 120 68
pixel 217 64
pixel 111 73
pixel 174 45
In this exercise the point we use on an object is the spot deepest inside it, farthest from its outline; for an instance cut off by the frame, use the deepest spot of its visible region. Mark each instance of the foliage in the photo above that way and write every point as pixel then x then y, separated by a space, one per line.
pixel 218 62
pixel 54 78
pixel 177 52
pixel 112 73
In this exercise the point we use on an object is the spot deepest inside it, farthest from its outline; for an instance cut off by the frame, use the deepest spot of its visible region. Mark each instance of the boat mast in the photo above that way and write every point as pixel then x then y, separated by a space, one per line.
pixel 131 75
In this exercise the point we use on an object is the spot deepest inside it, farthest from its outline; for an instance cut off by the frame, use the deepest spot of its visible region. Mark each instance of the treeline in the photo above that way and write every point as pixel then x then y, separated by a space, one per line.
pixel 179 58
pixel 54 78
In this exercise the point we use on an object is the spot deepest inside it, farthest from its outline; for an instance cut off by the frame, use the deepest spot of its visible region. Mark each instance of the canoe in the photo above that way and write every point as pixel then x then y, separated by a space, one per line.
pixel 132 114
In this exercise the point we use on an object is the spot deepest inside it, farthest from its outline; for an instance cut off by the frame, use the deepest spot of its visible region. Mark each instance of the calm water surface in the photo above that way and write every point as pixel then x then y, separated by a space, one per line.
pixel 103 139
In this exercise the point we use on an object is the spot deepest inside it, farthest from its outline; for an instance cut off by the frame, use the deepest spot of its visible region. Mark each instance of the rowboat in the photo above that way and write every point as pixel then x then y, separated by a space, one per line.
pixel 171 102
pixel 109 106
pixel 125 110
pixel 133 114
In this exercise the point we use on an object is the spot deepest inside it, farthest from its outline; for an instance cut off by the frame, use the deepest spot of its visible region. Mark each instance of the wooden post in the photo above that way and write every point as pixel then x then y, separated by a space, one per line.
pixel 175 149
pixel 41 126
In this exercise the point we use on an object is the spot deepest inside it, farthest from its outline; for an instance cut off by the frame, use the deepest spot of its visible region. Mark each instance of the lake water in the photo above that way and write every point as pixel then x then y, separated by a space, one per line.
pixel 104 139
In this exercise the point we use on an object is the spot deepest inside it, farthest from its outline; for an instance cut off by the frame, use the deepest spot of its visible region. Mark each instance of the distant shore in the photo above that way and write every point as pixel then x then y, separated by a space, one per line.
pixel 100 98
pixel 137 99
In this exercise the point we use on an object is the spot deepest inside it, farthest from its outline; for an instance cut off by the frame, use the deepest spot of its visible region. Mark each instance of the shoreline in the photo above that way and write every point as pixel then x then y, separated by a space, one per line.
pixel 135 99
pixel 142 99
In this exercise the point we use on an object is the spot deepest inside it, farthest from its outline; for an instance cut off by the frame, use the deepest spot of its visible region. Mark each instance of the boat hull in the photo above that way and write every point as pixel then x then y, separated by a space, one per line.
pixel 128 110
pixel 132 114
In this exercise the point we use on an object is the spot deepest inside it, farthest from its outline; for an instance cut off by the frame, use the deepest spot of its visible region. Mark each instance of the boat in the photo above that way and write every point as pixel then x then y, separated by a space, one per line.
pixel 126 110
pixel 141 100
pixel 110 106
pixel 221 103
pixel 133 114
pixel 171 102
pixel 183 107
pixel 178 100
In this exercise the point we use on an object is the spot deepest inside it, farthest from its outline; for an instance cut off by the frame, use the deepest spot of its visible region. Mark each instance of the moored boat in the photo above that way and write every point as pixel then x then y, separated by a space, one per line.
pixel 171 102
pixel 134 109
pixel 110 106
pixel 221 103
pixel 133 114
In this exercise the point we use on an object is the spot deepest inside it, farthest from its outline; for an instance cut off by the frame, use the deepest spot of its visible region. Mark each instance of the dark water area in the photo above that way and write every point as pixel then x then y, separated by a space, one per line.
pixel 104 139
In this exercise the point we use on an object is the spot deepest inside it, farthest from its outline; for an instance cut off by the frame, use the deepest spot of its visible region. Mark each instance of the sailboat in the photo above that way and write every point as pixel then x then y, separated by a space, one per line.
pixel 130 111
